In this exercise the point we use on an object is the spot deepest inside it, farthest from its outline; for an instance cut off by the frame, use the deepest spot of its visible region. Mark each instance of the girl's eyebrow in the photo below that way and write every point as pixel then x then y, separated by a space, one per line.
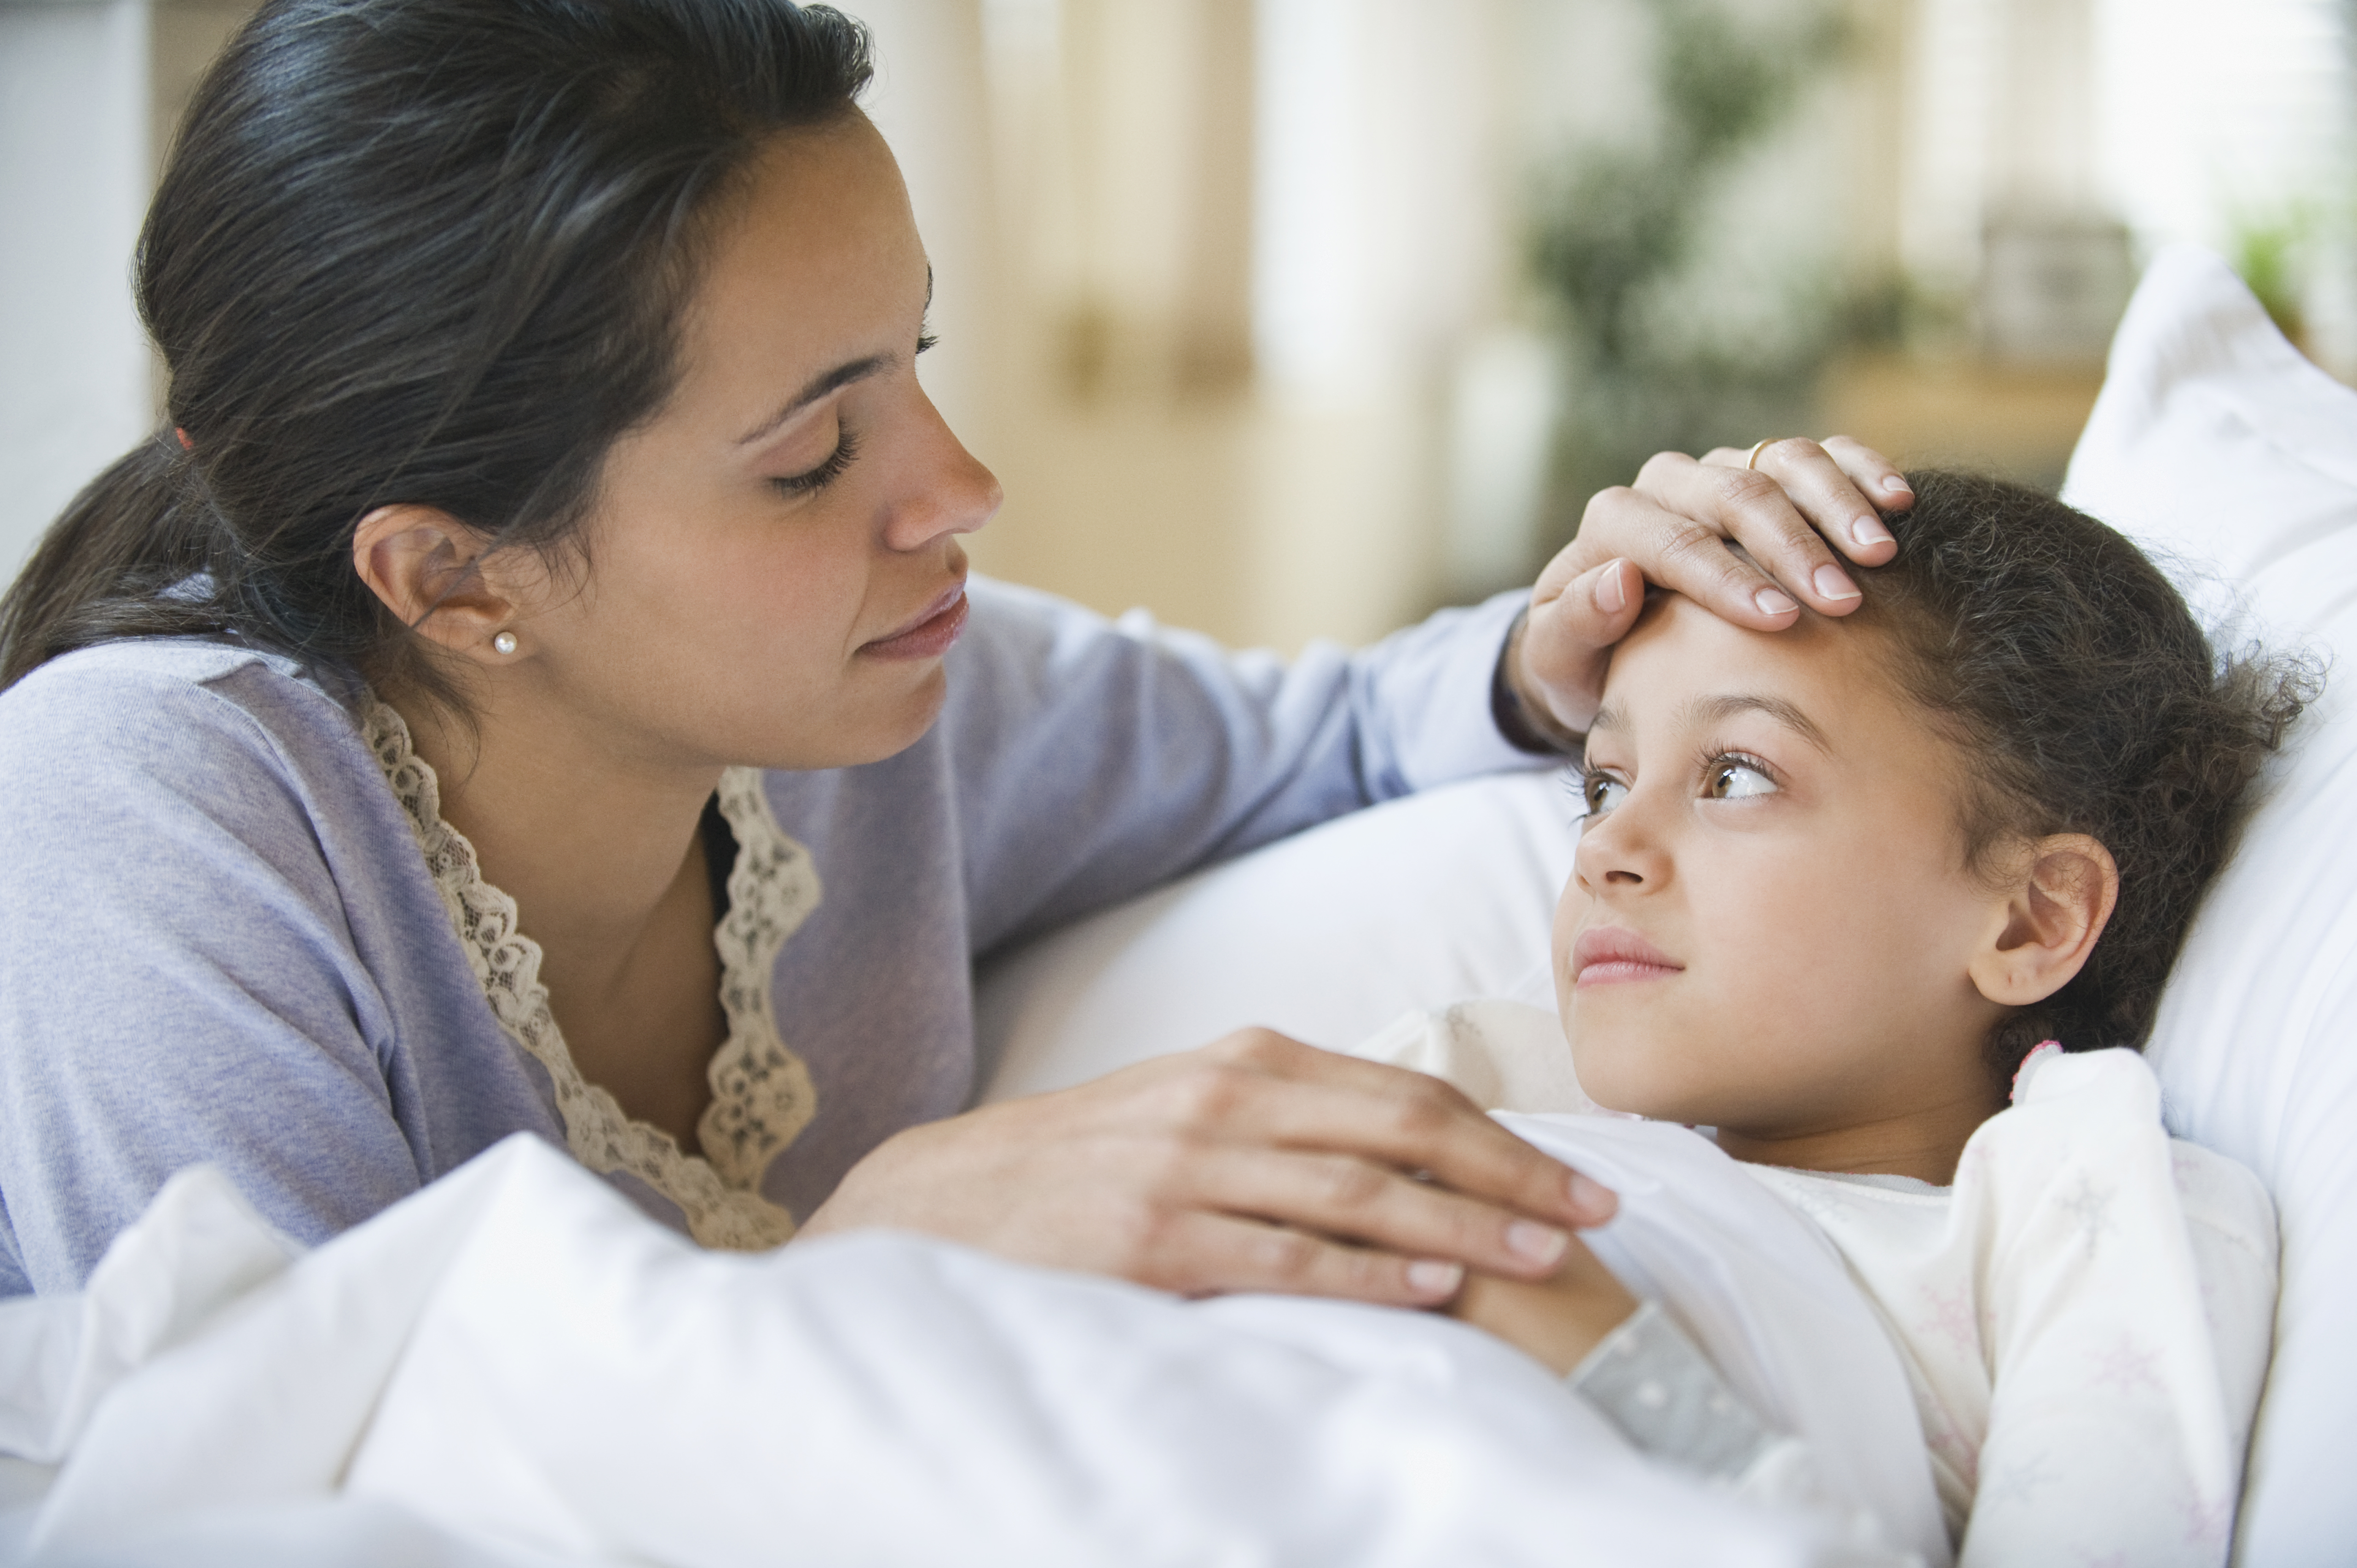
pixel 1719 709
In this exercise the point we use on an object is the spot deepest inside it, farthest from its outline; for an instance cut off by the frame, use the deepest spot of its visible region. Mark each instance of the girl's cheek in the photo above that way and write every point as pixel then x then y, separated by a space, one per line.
pixel 1570 909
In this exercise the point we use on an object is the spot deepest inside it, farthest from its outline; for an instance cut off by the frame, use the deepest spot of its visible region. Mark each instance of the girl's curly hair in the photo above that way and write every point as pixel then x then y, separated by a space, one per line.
pixel 2074 675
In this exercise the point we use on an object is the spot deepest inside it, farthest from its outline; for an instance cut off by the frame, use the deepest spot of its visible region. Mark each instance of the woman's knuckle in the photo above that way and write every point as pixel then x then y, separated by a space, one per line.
pixel 1352 1184
pixel 1284 1254
pixel 1744 489
pixel 1207 1096
pixel 1605 508
pixel 1689 541
pixel 1660 465
pixel 1251 1048
pixel 1420 1117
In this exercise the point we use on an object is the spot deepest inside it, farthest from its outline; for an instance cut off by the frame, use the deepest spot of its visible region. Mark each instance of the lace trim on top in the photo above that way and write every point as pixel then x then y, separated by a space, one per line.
pixel 762 1096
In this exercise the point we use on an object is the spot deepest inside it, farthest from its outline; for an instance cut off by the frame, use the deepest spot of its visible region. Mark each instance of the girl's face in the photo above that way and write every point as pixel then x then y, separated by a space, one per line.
pixel 1768 923
pixel 773 566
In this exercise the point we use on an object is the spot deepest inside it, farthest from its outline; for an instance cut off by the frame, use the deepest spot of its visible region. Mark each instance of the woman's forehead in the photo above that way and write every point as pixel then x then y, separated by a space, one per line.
pixel 816 261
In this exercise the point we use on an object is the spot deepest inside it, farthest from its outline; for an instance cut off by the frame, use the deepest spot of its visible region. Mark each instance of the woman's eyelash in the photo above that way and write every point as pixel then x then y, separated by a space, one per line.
pixel 847 448
pixel 927 339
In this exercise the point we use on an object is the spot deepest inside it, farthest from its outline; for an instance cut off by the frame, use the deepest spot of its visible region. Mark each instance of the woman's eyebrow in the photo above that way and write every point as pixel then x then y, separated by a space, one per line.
pixel 832 380
pixel 1718 710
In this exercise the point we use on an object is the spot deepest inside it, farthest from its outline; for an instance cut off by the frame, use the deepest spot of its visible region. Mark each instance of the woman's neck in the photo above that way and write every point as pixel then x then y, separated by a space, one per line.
pixel 590 847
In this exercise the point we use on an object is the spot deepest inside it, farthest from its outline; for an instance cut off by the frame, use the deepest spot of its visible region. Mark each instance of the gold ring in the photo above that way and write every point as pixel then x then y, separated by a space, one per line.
pixel 1752 461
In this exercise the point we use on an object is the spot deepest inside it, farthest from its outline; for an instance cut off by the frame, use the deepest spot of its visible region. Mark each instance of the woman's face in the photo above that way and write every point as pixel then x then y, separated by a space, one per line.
pixel 773 568
pixel 1770 920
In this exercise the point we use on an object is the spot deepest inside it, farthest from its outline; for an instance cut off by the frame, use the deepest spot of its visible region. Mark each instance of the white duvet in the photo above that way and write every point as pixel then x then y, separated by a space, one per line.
pixel 515 1366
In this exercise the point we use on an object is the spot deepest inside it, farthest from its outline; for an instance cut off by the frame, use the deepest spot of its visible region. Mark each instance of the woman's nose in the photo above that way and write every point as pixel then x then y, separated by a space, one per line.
pixel 950 491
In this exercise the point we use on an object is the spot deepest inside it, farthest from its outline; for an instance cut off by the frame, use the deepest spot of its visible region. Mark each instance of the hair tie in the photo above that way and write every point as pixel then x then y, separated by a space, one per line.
pixel 186 445
pixel 2037 1056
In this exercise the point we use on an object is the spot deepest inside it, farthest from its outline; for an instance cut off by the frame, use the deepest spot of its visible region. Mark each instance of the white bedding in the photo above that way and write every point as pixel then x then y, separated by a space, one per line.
pixel 516 1367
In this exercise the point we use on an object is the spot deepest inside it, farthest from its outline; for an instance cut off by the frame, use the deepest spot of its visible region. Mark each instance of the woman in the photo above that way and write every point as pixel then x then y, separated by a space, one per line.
pixel 550 520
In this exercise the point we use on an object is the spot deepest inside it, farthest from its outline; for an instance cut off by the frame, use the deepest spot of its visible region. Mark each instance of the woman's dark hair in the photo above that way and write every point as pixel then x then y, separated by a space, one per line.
pixel 432 251
pixel 2088 700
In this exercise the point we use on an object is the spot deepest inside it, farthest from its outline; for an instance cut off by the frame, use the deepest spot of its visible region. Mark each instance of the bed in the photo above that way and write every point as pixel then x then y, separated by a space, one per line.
pixel 2214 443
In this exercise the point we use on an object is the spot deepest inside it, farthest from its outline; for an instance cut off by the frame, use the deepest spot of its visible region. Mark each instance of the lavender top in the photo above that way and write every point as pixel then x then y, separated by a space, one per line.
pixel 220 939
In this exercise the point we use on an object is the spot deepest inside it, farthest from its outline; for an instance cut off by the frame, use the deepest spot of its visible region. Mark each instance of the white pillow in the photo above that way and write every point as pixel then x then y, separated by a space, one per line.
pixel 1327 936
pixel 2216 444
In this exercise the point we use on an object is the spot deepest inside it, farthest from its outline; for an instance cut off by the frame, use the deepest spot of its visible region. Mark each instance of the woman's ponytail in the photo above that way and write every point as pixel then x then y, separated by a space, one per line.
pixel 110 563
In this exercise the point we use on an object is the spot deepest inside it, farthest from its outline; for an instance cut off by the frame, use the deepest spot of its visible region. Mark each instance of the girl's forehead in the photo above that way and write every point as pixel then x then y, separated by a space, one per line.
pixel 1827 679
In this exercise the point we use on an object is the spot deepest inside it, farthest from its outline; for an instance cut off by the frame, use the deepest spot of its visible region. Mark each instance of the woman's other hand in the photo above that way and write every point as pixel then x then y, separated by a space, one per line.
pixel 1672 527
pixel 1256 1164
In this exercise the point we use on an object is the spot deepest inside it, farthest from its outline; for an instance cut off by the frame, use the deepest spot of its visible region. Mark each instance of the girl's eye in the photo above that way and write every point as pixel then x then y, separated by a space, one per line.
pixel 1729 780
pixel 847 448
pixel 1600 792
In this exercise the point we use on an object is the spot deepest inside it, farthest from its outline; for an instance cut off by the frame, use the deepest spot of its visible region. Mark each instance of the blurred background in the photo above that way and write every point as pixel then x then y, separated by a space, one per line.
pixel 1293 318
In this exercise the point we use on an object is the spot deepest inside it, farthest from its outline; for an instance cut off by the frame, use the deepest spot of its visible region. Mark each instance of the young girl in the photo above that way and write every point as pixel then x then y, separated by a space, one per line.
pixel 1886 907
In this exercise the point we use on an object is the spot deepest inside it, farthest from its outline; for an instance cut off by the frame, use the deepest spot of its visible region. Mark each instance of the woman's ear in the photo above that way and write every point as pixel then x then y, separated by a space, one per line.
pixel 428 569
pixel 2053 913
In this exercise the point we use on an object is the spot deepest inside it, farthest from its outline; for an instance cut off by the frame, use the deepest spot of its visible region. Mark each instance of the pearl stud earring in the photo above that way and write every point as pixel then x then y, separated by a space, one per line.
pixel 505 642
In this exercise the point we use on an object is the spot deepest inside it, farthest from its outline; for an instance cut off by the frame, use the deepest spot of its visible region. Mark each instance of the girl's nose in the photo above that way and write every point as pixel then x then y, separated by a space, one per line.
pixel 1620 851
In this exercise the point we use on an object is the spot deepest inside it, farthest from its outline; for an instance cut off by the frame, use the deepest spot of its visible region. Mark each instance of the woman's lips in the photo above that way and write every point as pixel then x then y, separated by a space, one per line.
pixel 1611 954
pixel 930 635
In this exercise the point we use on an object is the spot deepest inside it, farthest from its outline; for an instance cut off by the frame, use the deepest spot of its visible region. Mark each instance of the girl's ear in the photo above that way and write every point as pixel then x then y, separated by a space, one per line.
pixel 2049 922
pixel 429 569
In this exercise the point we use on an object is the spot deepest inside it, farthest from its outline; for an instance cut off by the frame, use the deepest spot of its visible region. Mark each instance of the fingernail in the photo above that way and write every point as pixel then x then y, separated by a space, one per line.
pixel 1434 1279
pixel 1591 1196
pixel 1869 531
pixel 1608 596
pixel 1774 602
pixel 1895 486
pixel 1539 1243
pixel 1831 584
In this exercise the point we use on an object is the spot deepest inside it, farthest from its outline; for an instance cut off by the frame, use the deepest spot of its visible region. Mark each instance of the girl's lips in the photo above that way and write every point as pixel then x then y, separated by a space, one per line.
pixel 930 635
pixel 1611 954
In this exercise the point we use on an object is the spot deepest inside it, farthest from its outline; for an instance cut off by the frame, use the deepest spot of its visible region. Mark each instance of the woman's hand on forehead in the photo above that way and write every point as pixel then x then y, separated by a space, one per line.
pixel 1799 510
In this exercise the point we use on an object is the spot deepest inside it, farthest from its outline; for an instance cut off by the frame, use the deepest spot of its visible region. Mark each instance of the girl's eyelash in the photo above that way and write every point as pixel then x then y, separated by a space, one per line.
pixel 1576 778
pixel 847 448
pixel 1715 757
pixel 926 339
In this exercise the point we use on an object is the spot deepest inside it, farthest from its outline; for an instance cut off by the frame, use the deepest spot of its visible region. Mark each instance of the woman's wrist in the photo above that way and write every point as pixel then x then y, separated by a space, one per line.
pixel 1523 721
